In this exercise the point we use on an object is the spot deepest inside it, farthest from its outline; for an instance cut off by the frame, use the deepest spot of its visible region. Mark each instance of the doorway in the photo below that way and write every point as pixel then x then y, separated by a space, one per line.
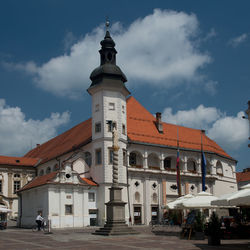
pixel 137 215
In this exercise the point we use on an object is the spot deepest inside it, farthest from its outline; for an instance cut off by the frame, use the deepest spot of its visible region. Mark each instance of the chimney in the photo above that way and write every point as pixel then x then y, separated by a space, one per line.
pixel 159 122
pixel 37 144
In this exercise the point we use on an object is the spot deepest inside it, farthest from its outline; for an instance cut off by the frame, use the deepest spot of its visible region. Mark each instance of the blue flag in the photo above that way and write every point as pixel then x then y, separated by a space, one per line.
pixel 203 170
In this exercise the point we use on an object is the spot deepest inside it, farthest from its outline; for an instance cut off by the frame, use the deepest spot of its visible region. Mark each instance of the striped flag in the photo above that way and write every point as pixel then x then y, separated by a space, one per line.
pixel 178 172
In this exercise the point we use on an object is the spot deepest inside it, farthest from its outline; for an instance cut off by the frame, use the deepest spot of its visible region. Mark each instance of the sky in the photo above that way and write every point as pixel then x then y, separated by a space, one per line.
pixel 187 59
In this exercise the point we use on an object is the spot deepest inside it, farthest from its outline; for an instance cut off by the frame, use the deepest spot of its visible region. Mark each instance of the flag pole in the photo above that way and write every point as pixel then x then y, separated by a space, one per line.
pixel 178 176
pixel 203 165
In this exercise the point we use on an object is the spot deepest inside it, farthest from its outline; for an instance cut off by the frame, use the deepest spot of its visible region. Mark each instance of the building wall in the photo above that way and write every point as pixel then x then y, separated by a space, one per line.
pixel 52 200
pixel 7 175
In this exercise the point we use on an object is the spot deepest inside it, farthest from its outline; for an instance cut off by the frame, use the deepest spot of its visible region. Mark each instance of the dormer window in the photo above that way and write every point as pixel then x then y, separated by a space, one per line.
pixel 111 106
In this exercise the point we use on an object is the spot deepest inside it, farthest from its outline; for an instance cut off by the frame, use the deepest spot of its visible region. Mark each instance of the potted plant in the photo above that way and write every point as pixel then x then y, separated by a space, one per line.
pixel 213 230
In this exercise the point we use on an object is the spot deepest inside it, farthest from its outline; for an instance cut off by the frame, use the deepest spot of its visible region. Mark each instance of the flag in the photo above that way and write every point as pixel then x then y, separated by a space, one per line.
pixel 203 170
pixel 178 172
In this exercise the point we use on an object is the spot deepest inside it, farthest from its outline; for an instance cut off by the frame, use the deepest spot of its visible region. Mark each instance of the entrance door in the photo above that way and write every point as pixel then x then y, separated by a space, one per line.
pixel 154 213
pixel 137 215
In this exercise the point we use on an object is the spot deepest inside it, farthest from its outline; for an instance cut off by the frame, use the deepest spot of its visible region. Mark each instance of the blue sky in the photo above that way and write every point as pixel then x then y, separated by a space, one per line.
pixel 187 59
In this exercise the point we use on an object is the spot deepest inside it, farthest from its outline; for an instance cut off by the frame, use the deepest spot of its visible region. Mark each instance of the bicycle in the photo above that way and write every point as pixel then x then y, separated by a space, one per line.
pixel 43 228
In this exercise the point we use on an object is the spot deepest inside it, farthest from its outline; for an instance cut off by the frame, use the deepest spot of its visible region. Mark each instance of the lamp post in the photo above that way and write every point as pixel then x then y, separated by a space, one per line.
pixel 248 117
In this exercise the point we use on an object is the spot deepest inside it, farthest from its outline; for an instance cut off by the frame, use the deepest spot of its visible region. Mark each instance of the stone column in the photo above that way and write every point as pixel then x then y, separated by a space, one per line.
pixel 185 164
pixel 10 185
pixel 145 160
pixel 162 162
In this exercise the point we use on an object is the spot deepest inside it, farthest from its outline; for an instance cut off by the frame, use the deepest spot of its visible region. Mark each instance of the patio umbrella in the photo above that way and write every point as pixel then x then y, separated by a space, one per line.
pixel 238 198
pixel 242 197
pixel 4 210
pixel 173 204
pixel 201 200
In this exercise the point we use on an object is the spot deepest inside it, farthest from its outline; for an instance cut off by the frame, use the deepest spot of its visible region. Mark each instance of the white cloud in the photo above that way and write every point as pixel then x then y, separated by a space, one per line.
pixel 230 132
pixel 18 134
pixel 236 41
pixel 160 49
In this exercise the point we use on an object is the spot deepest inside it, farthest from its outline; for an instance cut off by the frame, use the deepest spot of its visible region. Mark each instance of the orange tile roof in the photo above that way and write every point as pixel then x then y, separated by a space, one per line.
pixel 243 176
pixel 18 161
pixel 141 128
pixel 63 143
pixel 39 181
pixel 89 181
pixel 48 178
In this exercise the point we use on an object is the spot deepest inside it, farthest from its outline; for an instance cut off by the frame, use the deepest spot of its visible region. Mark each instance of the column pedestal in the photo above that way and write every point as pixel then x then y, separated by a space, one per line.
pixel 115 224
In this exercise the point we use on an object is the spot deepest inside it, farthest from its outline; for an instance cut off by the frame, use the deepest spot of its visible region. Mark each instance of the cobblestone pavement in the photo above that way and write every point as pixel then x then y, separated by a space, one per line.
pixel 160 238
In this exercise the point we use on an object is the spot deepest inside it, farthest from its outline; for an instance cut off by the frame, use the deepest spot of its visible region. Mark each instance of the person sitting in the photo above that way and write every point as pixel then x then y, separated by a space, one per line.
pixel 39 221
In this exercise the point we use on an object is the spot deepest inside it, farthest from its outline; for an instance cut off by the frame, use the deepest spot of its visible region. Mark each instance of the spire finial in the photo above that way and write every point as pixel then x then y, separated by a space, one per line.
pixel 107 23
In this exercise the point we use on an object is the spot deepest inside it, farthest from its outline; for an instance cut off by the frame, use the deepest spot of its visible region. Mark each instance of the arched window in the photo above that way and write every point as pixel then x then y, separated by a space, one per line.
pixel 41 172
pixel 88 158
pixel 135 159
pixel 219 170
pixel 48 170
pixel 132 159
pixel 16 175
pixel 137 197
pixel 167 163
pixel 153 161
pixel 191 166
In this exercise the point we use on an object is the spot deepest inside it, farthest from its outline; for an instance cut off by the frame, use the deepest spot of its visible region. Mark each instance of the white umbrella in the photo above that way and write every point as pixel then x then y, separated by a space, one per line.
pixel 4 210
pixel 201 200
pixel 238 198
pixel 242 197
pixel 173 204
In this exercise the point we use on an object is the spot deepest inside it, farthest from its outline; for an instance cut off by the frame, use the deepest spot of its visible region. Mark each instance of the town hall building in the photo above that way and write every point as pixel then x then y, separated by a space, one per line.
pixel 72 173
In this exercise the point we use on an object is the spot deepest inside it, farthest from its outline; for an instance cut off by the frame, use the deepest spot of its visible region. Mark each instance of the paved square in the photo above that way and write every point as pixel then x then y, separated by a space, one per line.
pixel 162 238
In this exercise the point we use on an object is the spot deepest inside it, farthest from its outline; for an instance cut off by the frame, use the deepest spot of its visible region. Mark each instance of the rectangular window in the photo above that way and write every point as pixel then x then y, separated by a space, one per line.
pixel 123 109
pixel 16 186
pixel 91 197
pixel 111 125
pixel 111 156
pixel 98 156
pixel 98 127
pixel 111 106
pixel 124 157
pixel 68 209
pixel 0 186
pixel 123 129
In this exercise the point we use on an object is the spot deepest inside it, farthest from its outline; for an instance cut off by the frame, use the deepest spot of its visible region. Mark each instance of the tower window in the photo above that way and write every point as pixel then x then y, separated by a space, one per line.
pixel 111 125
pixel 98 156
pixel 124 157
pixel 123 129
pixel 123 109
pixel 98 127
pixel 97 107
pixel 111 106
pixel 111 156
